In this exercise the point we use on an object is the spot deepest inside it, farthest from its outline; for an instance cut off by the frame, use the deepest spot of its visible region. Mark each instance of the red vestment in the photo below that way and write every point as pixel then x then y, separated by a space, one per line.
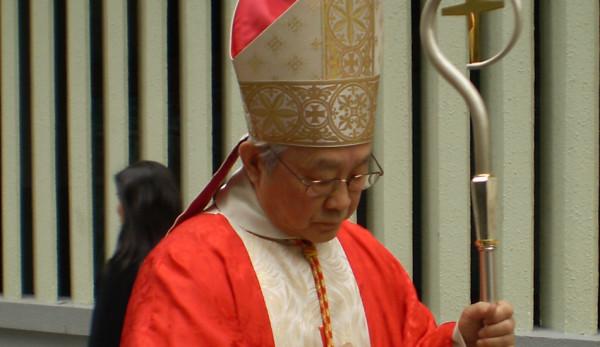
pixel 198 288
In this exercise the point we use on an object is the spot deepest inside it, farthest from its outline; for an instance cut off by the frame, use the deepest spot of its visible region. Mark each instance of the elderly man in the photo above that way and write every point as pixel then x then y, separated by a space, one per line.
pixel 273 260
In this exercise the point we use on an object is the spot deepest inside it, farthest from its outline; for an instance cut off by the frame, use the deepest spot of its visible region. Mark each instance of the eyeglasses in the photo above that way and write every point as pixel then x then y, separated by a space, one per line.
pixel 321 188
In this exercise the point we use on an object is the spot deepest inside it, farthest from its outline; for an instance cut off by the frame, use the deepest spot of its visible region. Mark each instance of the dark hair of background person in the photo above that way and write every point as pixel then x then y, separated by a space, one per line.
pixel 150 202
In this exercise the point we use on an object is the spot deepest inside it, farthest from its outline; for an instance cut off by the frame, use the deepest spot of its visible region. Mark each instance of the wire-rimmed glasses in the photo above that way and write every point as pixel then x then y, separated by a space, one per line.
pixel 355 183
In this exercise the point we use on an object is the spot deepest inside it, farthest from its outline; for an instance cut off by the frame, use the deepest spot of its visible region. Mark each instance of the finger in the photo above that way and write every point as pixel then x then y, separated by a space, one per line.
pixel 478 314
pixel 505 327
pixel 502 341
pixel 498 313
pixel 480 310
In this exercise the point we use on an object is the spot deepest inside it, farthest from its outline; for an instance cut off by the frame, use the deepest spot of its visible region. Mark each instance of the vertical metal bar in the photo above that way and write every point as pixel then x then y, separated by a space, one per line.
pixel 196 96
pixel 43 149
pixel 116 120
pixel 233 122
pixel 11 180
pixel 80 158
pixel 153 79
pixel 390 201
pixel 569 165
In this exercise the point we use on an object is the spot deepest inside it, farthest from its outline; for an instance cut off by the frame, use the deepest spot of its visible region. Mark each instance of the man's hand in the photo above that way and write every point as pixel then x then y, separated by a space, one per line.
pixel 488 325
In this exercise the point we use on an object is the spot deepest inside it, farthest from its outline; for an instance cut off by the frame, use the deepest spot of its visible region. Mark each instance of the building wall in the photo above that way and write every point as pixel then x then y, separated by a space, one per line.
pixel 90 86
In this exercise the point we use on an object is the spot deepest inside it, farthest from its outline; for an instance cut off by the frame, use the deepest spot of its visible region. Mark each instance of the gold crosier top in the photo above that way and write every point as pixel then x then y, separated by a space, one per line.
pixel 311 78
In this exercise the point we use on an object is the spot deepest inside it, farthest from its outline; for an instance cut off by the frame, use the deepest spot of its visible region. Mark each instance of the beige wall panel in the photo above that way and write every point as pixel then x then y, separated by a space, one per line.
pixel 196 101
pixel 116 122
pixel 234 123
pixel 445 170
pixel 153 80
pixel 11 182
pixel 80 151
pixel 508 89
pixel 43 149
pixel 390 204
pixel 569 166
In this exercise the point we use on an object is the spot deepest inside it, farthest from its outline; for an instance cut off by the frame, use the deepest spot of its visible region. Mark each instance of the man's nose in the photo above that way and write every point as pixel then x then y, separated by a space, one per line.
pixel 340 198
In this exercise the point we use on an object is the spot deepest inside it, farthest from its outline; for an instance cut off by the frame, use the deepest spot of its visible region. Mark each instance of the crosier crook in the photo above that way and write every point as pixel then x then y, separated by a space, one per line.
pixel 483 183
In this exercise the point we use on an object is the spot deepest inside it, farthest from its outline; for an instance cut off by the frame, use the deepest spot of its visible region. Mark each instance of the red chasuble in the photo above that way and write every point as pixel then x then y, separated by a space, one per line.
pixel 198 288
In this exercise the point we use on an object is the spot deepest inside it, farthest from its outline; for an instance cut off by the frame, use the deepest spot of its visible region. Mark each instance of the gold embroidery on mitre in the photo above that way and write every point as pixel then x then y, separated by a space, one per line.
pixel 255 63
pixel 275 44
pixel 313 113
pixel 295 63
pixel 314 5
pixel 349 28
pixel 294 24
pixel 316 43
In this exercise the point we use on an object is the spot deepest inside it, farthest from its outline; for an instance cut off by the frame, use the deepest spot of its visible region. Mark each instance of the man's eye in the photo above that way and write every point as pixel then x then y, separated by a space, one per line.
pixel 323 178
pixel 325 182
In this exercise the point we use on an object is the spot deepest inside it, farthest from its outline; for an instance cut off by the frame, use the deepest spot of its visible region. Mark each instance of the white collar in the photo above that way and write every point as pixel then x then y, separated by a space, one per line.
pixel 237 201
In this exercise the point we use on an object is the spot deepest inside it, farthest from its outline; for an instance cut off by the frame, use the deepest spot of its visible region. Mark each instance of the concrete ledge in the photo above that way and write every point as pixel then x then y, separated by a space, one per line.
pixel 61 318
pixel 549 338
pixel 23 338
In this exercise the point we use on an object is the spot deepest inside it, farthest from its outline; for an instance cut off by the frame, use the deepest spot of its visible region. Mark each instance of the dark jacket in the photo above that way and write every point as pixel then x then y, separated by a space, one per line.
pixel 111 304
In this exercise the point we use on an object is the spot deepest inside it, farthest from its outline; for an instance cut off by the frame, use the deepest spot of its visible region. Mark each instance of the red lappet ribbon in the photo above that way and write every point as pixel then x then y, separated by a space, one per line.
pixel 202 200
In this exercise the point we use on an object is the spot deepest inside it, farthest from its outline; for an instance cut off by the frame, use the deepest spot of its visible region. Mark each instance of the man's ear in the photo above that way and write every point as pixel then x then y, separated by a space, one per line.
pixel 250 155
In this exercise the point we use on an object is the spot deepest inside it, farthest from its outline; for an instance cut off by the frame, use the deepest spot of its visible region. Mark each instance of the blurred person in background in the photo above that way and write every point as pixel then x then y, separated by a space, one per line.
pixel 149 203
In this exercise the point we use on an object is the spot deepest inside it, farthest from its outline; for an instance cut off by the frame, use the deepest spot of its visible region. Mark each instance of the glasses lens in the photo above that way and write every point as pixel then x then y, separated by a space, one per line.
pixel 371 180
pixel 321 188
pixel 358 183
pixel 354 184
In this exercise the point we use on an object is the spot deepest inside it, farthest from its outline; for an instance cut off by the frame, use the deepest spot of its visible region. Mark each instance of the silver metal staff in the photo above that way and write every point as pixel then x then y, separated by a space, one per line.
pixel 483 183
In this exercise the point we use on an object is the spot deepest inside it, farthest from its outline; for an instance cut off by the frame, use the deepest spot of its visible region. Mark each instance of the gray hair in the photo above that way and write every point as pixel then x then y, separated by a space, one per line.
pixel 268 152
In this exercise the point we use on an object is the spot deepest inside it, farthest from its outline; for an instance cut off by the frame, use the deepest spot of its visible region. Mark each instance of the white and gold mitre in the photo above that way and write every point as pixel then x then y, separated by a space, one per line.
pixel 308 69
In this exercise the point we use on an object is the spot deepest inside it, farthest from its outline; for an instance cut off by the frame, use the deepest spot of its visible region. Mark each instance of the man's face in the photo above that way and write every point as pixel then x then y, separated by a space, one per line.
pixel 285 200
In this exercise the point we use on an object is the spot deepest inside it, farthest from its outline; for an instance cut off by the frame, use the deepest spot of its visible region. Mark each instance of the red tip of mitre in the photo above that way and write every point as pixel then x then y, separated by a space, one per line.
pixel 251 18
